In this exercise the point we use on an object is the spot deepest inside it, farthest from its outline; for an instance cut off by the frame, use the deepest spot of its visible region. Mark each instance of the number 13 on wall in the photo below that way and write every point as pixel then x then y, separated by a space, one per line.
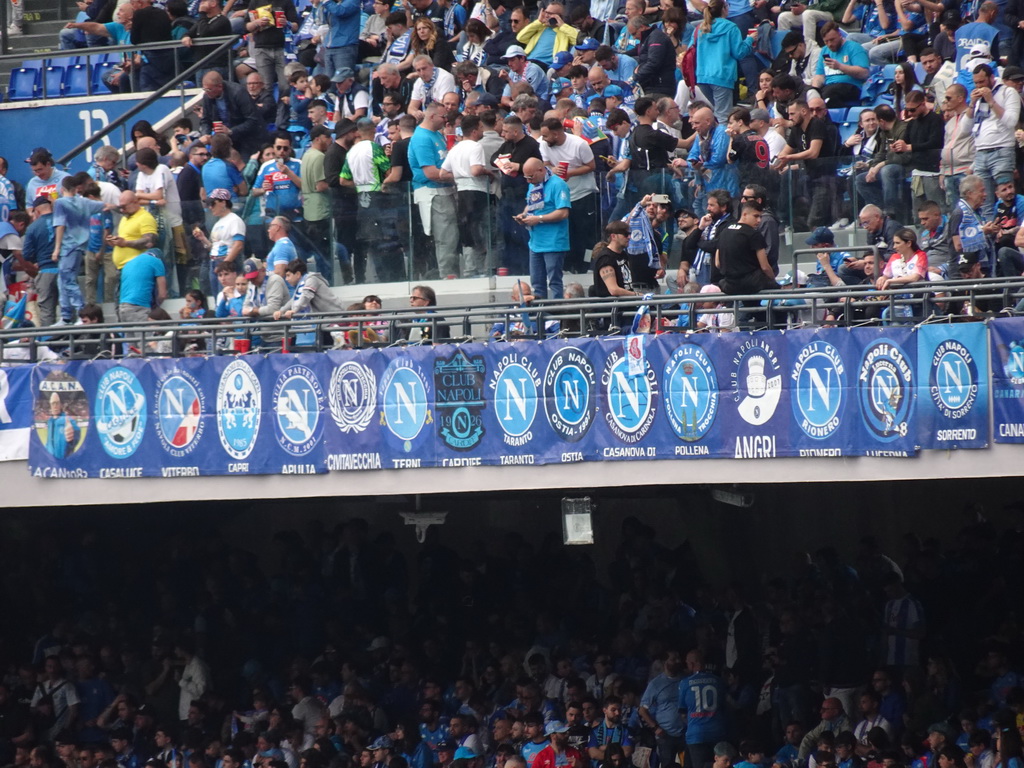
pixel 87 117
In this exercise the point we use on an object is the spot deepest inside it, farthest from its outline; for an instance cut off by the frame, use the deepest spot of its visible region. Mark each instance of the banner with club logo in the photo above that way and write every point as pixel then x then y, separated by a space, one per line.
pixel 1007 344
pixel 887 391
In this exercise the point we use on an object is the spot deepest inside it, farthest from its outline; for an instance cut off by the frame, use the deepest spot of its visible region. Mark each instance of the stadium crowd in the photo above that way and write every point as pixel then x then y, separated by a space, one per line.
pixel 432 139
pixel 333 650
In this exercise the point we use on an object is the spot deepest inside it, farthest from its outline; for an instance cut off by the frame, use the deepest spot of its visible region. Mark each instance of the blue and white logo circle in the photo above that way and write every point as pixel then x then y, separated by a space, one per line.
pixel 691 392
pixel 404 398
pixel 515 398
pixel 819 380
pixel 238 409
pixel 298 402
pixel 179 413
pixel 569 398
pixel 885 382
pixel 953 380
pixel 630 399
pixel 120 410
pixel 352 396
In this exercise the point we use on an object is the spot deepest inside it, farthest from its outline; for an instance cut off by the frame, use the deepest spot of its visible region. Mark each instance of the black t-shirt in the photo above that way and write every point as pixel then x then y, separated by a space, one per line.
pixel 751 156
pixel 800 140
pixel 150 25
pixel 738 245
pixel 400 158
pixel 218 26
pixel 272 36
pixel 650 148
pixel 617 261
pixel 190 181
pixel 518 152
pixel 1006 218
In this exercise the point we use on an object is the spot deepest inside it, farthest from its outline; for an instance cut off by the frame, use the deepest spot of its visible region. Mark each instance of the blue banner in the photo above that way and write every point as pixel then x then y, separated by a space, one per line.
pixel 1007 340
pixel 885 391
pixel 953 381
pixel 15 412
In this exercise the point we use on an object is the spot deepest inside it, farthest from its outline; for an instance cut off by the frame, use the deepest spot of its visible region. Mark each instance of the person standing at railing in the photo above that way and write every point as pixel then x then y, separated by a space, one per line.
pixel 434 197
pixel 227 238
pixel 152 25
pixel 71 214
pixel 211 23
pixel 547 216
pixel 37 251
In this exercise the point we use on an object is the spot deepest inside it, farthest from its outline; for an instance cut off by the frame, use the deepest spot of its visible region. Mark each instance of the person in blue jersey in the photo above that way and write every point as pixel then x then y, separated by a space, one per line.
pixel 610 731
pixel 536 739
pixel 702 697
pixel 846 751
pixel 279 181
pixel 788 754
pixel 659 709
pixel 433 730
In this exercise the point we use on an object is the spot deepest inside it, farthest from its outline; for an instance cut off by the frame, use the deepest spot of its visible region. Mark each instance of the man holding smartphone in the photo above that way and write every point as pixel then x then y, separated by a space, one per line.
pixel 842 69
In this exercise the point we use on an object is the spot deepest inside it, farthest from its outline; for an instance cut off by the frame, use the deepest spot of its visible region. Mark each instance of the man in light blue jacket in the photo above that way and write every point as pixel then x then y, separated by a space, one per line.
pixel 709 158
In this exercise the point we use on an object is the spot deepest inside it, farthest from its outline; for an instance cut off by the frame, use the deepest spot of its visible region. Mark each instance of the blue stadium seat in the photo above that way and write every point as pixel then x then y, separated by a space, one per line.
pixel 25 84
pixel 838 115
pixel 846 130
pixel 98 86
pixel 34 64
pixel 76 80
pixel 888 73
pixel 53 82
pixel 63 61
pixel 853 116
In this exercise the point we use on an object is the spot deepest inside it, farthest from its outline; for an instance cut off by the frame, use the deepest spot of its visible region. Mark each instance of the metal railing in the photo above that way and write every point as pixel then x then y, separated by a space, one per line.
pixel 222 44
pixel 675 313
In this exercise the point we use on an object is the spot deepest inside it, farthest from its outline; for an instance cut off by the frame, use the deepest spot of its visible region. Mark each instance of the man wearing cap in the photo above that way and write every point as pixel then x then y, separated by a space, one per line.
pixel 558 752
pixel 434 196
pixel 37 250
pixel 352 100
pixel 227 238
pixel 560 65
pixel 547 35
pixel 381 747
pixel 316 207
pixel 519 69
pixel 995 110
pixel 977 38
pixel 143 287
pixel 760 121
pixel 431 86
pixel 828 262
pixel 445 754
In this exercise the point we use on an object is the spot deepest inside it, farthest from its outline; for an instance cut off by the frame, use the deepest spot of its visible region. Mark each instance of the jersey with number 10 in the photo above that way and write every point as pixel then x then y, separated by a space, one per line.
pixel 703 697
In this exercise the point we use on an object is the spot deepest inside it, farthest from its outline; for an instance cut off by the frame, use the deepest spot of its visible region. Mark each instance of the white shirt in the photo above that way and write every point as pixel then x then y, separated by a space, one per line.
pixel 222 236
pixel 576 152
pixel 459 163
pixel 195 678
pixel 993 133
pixel 360 100
pixel 444 82
pixel 162 178
pixel 775 143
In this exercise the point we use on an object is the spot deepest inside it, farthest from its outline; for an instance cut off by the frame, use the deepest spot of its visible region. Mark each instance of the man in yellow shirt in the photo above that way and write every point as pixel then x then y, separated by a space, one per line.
pixel 135 233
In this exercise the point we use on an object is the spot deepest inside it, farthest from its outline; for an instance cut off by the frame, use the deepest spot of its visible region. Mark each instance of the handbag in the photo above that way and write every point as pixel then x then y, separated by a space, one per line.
pixel 688 66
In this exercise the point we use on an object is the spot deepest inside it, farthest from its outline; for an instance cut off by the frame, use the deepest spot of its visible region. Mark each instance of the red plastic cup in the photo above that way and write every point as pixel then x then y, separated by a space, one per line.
pixel 242 345
pixel 563 169
pixel 502 271
pixel 217 126
pixel 279 19
pixel 450 139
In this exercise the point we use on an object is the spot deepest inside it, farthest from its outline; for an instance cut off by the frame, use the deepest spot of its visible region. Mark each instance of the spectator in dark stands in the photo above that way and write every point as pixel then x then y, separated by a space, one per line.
pixel 655 56
pixel 152 25
pixel 262 98
pixel 266 27
pixel 228 109
pixel 211 23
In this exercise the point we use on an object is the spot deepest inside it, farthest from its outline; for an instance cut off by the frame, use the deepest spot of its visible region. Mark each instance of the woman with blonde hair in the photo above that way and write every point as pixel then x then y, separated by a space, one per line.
pixel 427 40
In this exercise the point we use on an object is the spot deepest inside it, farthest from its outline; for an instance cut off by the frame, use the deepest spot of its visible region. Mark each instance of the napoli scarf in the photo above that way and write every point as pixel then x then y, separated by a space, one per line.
pixel 642 238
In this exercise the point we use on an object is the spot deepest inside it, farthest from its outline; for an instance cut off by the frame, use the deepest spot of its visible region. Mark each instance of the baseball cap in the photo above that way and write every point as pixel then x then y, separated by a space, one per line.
pixel 344 127
pixel 42 200
pixel 561 59
pixel 1005 178
pixel 446 746
pixel 556 726
pixel 381 742
pixel 342 74
pixel 514 50
pixel 251 268
pixel 612 90
pixel 760 114
pixel 980 49
pixel 487 100
pixel 588 44
pixel 967 260
pixel 787 279
pixel 560 83
pixel 379 644
pixel 219 194
pixel 465 753
pixel 942 728
pixel 821 236
pixel 1013 73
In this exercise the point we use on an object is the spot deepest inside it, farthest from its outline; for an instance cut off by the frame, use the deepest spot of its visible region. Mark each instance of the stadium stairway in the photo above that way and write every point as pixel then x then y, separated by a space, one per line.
pixel 39 37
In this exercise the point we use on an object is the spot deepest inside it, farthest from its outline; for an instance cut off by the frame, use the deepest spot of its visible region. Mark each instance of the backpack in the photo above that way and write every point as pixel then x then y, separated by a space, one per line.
pixel 689 63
